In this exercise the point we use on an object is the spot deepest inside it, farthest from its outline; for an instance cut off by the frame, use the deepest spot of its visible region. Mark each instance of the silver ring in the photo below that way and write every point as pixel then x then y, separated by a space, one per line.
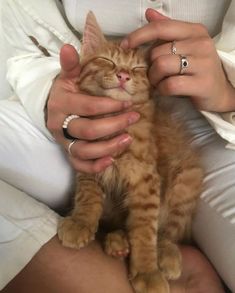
pixel 70 145
pixel 183 63
pixel 65 125
pixel 173 48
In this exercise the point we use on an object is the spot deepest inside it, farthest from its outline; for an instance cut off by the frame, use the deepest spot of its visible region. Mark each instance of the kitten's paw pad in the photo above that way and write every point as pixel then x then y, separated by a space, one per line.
pixel 75 234
pixel 170 262
pixel 116 244
pixel 150 283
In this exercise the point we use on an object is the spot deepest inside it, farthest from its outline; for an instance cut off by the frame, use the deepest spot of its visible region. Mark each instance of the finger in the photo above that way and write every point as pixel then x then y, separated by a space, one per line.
pixel 59 112
pixel 152 15
pixel 180 85
pixel 84 150
pixel 87 129
pixel 197 47
pixel 92 105
pixel 69 61
pixel 163 29
pixel 168 65
pixel 91 166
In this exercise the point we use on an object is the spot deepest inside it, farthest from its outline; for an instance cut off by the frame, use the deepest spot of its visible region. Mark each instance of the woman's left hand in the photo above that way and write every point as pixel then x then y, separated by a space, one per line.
pixel 204 80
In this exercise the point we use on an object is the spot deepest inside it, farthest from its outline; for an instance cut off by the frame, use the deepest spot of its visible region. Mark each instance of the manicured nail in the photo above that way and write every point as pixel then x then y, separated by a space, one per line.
pixel 109 161
pixel 134 117
pixel 126 141
pixel 124 44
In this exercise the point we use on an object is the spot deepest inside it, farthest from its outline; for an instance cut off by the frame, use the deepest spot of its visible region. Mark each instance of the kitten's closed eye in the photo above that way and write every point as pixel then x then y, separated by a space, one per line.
pixel 137 69
pixel 105 62
pixel 110 63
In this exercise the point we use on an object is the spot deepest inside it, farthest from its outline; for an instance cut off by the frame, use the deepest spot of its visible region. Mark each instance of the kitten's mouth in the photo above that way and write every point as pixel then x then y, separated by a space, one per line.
pixel 120 88
pixel 118 93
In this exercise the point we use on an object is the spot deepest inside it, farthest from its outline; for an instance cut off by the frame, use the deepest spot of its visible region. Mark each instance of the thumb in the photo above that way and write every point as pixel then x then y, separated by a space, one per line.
pixel 69 61
pixel 152 15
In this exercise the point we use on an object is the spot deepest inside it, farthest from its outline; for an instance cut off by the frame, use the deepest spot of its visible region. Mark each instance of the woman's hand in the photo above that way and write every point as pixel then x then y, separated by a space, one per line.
pixel 204 80
pixel 87 155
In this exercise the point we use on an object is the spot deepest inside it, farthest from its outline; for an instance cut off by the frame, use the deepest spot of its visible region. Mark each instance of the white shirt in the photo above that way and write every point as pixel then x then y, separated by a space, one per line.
pixel 119 17
pixel 30 74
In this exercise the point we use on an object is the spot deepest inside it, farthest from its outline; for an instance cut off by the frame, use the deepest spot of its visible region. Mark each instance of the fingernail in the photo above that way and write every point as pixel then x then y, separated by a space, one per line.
pixel 109 161
pixel 125 141
pixel 134 117
pixel 127 104
pixel 124 44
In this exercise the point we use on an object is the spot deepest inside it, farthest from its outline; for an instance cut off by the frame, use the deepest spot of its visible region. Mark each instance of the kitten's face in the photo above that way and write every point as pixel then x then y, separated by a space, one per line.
pixel 108 70
pixel 116 73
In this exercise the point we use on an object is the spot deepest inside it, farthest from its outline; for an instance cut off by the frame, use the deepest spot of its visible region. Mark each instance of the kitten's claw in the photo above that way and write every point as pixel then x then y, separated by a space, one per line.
pixel 75 234
pixel 116 244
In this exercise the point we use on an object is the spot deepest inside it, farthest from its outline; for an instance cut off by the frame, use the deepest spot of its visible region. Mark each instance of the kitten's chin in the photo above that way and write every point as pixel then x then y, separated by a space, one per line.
pixel 118 94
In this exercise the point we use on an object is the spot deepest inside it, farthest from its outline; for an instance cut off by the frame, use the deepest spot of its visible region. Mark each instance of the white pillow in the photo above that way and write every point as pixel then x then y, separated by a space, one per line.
pixel 5 90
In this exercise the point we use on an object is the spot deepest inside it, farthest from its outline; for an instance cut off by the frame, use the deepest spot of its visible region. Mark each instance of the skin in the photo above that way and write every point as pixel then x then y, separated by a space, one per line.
pixel 65 98
pixel 90 156
pixel 57 269
pixel 192 40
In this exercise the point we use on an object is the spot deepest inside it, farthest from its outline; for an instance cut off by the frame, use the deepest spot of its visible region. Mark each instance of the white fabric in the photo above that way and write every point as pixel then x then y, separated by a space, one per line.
pixel 215 220
pixel 5 90
pixel 25 226
pixel 209 13
pixel 129 15
pixel 21 143
pixel 214 224
pixel 49 28
pixel 29 72
pixel 33 163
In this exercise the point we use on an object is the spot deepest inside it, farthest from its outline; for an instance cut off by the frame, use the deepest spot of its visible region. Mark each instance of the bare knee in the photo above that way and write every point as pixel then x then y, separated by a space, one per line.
pixel 199 274
pixel 57 269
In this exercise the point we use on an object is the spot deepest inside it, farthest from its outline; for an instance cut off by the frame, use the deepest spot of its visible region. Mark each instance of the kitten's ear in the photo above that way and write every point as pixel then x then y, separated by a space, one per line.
pixel 93 38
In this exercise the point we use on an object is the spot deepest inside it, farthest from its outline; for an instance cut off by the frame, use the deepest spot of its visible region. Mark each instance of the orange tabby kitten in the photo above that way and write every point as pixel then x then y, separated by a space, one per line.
pixel 148 196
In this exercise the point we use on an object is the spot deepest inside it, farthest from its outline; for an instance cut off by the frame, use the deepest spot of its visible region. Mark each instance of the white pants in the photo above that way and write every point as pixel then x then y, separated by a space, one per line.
pixel 37 179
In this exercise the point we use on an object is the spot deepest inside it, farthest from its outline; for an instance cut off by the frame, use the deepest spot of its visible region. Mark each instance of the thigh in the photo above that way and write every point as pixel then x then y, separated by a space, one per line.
pixel 29 160
pixel 25 225
pixel 214 224
pixel 56 269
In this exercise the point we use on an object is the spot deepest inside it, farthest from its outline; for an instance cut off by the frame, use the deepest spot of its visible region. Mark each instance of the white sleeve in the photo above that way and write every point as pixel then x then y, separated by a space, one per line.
pixel 225 43
pixel 25 226
pixel 224 123
pixel 29 71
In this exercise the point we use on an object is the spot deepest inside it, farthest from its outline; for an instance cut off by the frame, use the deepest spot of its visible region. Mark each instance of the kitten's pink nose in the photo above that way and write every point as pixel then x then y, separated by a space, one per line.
pixel 123 76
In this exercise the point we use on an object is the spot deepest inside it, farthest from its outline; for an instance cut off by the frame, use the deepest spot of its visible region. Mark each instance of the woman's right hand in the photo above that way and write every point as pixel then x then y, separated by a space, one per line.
pixel 87 154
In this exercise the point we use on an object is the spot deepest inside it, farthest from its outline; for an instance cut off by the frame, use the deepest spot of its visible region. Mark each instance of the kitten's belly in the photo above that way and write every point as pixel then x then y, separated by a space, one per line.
pixel 114 210
pixel 114 215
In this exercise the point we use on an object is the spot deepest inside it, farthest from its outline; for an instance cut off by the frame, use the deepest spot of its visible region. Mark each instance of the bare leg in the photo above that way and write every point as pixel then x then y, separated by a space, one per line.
pixel 56 269
pixel 198 275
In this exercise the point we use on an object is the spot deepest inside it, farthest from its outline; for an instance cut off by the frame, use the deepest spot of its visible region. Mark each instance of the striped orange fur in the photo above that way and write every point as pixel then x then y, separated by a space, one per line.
pixel 147 198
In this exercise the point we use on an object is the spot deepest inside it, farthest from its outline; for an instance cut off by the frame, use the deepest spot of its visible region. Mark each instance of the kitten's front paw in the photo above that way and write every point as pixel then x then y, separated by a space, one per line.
pixel 170 261
pixel 116 244
pixel 150 283
pixel 75 234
